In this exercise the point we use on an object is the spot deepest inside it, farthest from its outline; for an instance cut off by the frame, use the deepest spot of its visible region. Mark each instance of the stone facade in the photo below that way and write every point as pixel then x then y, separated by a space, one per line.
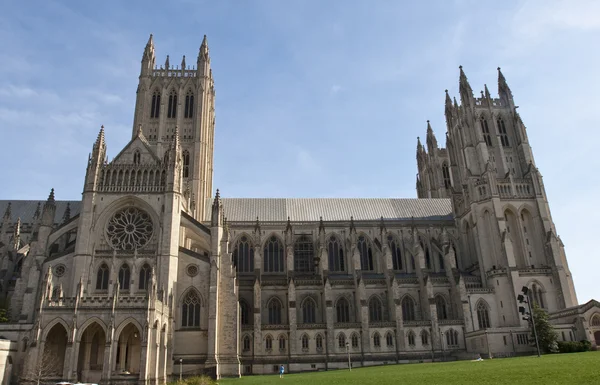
pixel 148 276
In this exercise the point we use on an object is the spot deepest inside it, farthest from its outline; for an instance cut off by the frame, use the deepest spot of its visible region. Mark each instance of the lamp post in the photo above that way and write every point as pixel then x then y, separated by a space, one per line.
pixel 528 316
pixel 180 368
pixel 348 353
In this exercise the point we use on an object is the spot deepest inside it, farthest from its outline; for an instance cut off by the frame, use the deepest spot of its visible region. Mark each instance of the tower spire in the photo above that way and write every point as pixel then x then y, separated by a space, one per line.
pixel 466 91
pixel 203 53
pixel 431 140
pixel 503 88
pixel 148 57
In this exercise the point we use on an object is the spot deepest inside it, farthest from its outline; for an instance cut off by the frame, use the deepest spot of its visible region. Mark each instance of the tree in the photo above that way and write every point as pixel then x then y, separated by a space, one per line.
pixel 547 336
pixel 46 370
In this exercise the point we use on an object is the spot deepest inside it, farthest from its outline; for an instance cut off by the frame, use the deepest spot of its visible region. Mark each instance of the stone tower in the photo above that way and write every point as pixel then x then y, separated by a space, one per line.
pixel 498 198
pixel 183 97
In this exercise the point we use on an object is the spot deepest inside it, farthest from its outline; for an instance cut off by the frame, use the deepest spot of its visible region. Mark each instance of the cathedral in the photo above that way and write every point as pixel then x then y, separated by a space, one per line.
pixel 152 275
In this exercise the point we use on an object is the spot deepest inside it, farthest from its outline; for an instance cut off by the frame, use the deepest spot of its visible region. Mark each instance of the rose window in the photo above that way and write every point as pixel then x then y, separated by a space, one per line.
pixel 129 229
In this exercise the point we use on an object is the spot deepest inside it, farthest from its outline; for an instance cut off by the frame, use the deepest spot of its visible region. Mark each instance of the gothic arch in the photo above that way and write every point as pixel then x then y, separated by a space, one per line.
pixel 246 262
pixel 394 240
pixel 409 308
pixel 595 320
pixel 341 303
pixel 87 324
pixel 368 260
pixel 53 323
pixel 275 263
pixel 126 201
pixel 187 291
pixel 377 310
pixel 124 324
pixel 337 260
pixel 514 228
pixel 482 308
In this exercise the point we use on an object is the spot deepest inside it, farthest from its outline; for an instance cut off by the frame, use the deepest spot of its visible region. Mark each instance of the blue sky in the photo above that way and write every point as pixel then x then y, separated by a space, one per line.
pixel 314 98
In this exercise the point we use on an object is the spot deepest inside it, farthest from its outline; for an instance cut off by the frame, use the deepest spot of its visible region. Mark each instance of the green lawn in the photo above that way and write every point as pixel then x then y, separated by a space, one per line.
pixel 574 368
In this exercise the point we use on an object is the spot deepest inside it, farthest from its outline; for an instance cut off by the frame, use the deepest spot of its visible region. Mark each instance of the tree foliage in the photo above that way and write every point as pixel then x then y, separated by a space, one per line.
pixel 547 336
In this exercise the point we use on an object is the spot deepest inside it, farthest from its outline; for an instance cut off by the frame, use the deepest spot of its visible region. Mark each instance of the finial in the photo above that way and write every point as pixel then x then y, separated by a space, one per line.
pixel 183 63
pixel 352 228
pixel 51 196
pixel 67 214
pixel 288 226
pixel 167 65
pixel 217 195
pixel 8 210
pixel 139 130
pixel 37 212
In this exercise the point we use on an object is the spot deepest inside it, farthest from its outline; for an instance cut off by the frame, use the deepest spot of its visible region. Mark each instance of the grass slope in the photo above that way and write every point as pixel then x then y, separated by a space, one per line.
pixel 574 368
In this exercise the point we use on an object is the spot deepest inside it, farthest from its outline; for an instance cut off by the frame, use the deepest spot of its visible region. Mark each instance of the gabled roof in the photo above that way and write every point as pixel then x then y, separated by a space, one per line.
pixel 26 209
pixel 141 138
pixel 332 209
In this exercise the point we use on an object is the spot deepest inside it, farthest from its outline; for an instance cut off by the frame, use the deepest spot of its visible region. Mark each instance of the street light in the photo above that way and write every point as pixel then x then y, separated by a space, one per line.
pixel 348 353
pixel 528 315
pixel 180 368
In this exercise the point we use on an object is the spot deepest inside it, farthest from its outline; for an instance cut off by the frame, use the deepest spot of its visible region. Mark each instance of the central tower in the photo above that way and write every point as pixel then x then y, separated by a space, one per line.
pixel 182 97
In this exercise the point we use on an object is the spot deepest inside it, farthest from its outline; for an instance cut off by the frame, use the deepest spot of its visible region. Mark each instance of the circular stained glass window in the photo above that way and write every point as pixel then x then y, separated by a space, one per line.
pixel 192 270
pixel 129 229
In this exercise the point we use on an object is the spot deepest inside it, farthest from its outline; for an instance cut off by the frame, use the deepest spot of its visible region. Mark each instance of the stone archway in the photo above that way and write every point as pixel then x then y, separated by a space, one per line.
pixel 90 363
pixel 597 337
pixel 128 352
pixel 52 361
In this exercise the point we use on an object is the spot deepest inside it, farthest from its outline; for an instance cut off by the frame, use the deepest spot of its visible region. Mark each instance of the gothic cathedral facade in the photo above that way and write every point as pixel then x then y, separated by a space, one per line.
pixel 149 275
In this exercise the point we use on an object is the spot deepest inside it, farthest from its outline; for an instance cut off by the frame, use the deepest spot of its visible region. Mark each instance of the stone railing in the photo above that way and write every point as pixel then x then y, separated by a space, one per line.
pixel 495 272
pixel 479 290
pixel 275 327
pixel 312 326
pixel 100 301
pixel 347 325
pixel 450 322
pixel 382 324
pixel 535 271
pixel 133 178
pixel 519 188
pixel 174 73
pixel 417 323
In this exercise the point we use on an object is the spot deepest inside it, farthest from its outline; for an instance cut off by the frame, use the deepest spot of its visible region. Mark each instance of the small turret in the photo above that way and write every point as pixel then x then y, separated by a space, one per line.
pixel 183 63
pixel 167 64
pixel 95 162
pixel 217 208
pixel 449 110
pixel 148 58
pixel 67 215
pixel 487 92
pixel 466 92
pixel 49 210
pixel 203 62
pixel 503 88
pixel 432 144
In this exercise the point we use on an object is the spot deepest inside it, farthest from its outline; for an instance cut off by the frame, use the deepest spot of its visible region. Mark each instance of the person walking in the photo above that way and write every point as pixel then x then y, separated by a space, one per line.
pixel 281 370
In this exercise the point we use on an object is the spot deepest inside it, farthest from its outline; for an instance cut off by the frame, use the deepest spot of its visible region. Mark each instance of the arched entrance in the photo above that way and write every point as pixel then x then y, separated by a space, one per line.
pixel 129 351
pixel 597 337
pixel 91 354
pixel 52 361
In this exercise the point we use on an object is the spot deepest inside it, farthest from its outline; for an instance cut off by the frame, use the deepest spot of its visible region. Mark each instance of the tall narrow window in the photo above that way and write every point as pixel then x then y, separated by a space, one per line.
pixel 246 343
pixel 186 164
pixel 408 309
pixel 102 277
pixel 366 254
pixel 273 256
pixel 304 342
pixel 274 308
pixel 145 277
pixel 189 105
pixel 376 340
pixel 243 256
pixel 375 310
pixel 281 343
pixel 304 255
pixel 427 257
pixel 137 157
pixel 268 343
pixel 308 311
pixel 244 313
pixel 336 255
pixel 485 130
pixel 190 310
pixel 503 133
pixel 124 277
pixel 354 340
pixel 446 176
pixel 155 105
pixel 396 253
pixel 319 342
pixel 411 338
pixel 342 310
pixel 389 340
pixel 452 338
pixel 440 306
pixel 483 315
pixel 342 341
pixel 172 107
pixel 424 338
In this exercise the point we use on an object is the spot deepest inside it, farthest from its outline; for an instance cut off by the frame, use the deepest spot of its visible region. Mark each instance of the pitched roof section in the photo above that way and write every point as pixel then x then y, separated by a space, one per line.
pixel 332 209
pixel 26 209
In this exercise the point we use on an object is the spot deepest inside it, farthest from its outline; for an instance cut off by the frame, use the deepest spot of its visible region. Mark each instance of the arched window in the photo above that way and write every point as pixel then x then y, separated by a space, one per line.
pixel 485 130
pixel 424 338
pixel 452 338
pixel 244 313
pixel 246 343
pixel 366 254
pixel 189 105
pixel 145 277
pixel 536 295
pixel 137 157
pixel 155 105
pixel 304 255
pixel 308 311
pixel 483 315
pixel 281 343
pixel 342 310
pixel 336 255
pixel 389 339
pixel 268 343
pixel 446 176
pixel 503 133
pixel 186 164
pixel 376 340
pixel 411 338
pixel 304 342
pixel 441 261
pixel 124 277
pixel 354 340
pixel 396 253
pixel 190 310
pixel 273 256
pixel 375 310
pixel 319 342
pixel 342 340
pixel 408 309
pixel 172 107
pixel 55 294
pixel 102 277
pixel 243 256
pixel 596 320
pixel 427 256
pixel 440 306
pixel 274 308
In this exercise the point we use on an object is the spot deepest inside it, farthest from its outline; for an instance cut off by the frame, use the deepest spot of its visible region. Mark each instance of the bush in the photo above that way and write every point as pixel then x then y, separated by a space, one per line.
pixel 196 380
pixel 574 347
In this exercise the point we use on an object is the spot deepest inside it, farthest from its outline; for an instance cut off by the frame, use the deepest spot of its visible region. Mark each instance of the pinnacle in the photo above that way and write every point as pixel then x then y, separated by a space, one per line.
pixel 7 213
pixel 51 196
